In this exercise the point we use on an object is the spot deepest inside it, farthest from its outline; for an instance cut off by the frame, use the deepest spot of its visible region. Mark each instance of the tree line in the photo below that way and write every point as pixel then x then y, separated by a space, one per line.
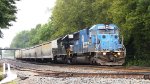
pixel 37 35
pixel 68 16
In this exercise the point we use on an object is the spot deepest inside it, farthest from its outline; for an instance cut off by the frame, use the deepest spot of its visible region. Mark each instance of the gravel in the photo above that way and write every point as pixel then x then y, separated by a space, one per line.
pixel 81 80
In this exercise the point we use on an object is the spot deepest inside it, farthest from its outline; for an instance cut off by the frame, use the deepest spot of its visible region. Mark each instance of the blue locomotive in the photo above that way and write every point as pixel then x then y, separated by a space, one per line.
pixel 99 44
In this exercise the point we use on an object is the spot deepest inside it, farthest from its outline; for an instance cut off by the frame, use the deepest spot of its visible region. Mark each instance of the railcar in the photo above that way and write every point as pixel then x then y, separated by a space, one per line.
pixel 38 52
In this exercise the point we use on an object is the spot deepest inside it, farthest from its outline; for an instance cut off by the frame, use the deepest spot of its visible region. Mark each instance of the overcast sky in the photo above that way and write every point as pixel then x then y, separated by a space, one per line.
pixel 30 13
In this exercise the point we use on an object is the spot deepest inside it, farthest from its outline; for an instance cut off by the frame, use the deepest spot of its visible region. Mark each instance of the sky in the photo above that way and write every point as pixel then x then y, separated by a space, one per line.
pixel 29 14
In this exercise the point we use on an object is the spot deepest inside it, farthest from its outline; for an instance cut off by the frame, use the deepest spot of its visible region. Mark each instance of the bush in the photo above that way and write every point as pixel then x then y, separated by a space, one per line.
pixel 138 62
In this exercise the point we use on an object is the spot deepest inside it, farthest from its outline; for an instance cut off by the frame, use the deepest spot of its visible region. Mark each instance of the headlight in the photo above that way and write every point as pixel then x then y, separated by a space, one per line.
pixel 104 53
pixel 103 36
pixel 119 53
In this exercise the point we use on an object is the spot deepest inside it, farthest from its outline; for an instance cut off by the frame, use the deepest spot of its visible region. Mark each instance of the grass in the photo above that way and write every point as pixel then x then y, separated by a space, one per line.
pixel 12 82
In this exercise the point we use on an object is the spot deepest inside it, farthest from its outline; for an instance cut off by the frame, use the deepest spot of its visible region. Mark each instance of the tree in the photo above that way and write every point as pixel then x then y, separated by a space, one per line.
pixel 21 40
pixel 72 15
pixel 34 35
pixel 45 32
pixel 7 12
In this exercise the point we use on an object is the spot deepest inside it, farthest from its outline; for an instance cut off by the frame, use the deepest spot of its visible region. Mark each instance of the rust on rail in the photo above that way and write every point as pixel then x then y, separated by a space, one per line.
pixel 105 75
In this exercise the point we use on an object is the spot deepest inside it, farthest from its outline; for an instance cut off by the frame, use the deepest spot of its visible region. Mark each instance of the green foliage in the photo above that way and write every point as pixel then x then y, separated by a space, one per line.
pixel 37 35
pixel 7 12
pixel 45 32
pixel 133 16
pixel 34 35
pixel 71 15
pixel 21 40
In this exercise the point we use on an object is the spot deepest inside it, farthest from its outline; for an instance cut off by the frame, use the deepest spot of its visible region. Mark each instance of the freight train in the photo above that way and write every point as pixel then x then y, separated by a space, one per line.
pixel 100 44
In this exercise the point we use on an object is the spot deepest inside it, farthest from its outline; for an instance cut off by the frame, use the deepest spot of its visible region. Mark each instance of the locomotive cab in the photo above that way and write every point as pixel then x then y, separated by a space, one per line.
pixel 64 49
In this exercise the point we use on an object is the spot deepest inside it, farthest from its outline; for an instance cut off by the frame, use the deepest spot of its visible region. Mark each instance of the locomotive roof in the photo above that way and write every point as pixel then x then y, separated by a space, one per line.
pixel 103 26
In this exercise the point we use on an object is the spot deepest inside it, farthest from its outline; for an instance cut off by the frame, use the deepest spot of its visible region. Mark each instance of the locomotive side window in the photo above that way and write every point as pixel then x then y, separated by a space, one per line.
pixel 107 31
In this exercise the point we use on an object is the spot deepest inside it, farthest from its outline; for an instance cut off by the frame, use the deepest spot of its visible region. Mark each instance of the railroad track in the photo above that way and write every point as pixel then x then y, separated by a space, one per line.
pixel 105 75
pixel 49 73
pixel 120 73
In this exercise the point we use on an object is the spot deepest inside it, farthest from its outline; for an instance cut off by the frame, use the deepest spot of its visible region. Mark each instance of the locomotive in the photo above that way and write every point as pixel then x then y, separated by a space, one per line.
pixel 100 44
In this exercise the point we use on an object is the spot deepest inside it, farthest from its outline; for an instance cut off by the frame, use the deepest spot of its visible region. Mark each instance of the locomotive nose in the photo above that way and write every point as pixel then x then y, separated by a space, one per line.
pixel 108 42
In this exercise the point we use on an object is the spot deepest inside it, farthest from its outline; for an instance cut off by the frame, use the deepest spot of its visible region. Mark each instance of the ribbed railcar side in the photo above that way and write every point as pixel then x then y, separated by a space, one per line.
pixel 27 53
pixel 38 50
pixel 46 50
pixel 23 53
pixel 32 52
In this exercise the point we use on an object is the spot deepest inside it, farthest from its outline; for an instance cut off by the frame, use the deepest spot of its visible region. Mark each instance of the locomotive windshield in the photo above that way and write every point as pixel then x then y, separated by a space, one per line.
pixel 108 31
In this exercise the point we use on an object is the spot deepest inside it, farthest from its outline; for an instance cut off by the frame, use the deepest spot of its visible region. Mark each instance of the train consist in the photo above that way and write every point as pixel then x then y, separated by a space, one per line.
pixel 99 44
